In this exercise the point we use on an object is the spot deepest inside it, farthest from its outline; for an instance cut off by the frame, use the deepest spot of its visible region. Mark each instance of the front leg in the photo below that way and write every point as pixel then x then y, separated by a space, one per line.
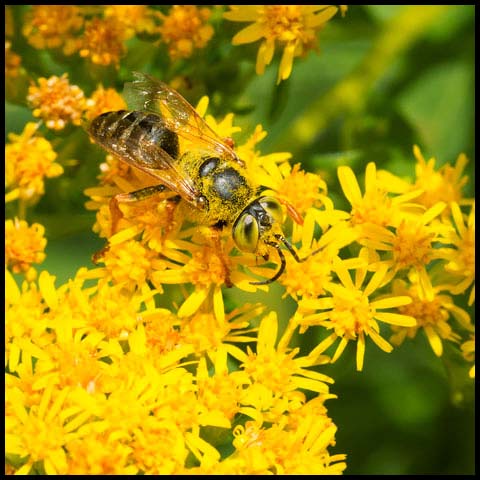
pixel 130 197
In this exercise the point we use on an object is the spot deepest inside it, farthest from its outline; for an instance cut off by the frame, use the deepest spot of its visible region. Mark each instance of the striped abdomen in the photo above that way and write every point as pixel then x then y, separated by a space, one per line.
pixel 124 132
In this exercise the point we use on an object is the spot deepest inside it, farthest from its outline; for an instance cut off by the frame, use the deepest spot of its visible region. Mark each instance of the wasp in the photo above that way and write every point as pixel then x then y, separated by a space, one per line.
pixel 163 136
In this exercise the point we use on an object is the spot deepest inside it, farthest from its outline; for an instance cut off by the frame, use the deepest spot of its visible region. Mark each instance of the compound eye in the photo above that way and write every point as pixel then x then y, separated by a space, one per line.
pixel 246 233
pixel 272 206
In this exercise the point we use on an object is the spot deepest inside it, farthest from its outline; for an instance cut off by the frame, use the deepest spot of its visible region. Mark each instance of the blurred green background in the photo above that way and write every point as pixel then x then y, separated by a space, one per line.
pixel 386 78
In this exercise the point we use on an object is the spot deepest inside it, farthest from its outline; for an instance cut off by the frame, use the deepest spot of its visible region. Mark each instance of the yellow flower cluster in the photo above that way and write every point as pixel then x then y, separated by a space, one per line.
pixel 111 390
pixel 28 159
pixel 99 33
pixel 293 27
pixel 102 380
pixel 397 237
pixel 56 101
pixel 53 26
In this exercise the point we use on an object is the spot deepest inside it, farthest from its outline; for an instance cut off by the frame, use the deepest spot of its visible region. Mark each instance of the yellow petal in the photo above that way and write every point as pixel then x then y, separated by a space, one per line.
pixel 244 13
pixel 218 306
pixel 322 17
pixel 193 302
pixel 286 63
pixel 380 341
pixel 349 185
pixel 46 283
pixel 360 352
pixel 249 34
pixel 391 302
pixel 434 340
pixel 396 319
pixel 12 292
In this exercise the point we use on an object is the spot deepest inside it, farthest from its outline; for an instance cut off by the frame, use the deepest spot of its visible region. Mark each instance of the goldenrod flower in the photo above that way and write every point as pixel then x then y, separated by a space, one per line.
pixel 103 100
pixel 291 449
pixel 276 369
pixel 103 41
pixel 442 185
pixel 461 258
pixel 128 264
pixel 53 26
pixel 468 350
pixel 102 364
pixel 28 160
pixel 294 27
pixel 350 312
pixel 56 101
pixel 185 29
pixel 12 61
pixel 411 246
pixel 134 18
pixel 24 245
pixel 375 206
pixel 394 225
pixel 39 432
pixel 309 278
pixel 432 316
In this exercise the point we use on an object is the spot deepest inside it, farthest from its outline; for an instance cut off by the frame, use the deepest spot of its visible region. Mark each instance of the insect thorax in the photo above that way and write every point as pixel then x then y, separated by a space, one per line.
pixel 222 183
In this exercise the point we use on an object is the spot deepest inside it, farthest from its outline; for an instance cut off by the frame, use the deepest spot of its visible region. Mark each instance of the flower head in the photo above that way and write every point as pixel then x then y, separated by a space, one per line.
pixel 350 313
pixel 460 268
pixel 53 26
pixel 57 102
pixel 12 61
pixel 432 315
pixel 134 18
pixel 442 185
pixel 103 100
pixel 294 27
pixel 185 29
pixel 24 245
pixel 103 41
pixel 29 158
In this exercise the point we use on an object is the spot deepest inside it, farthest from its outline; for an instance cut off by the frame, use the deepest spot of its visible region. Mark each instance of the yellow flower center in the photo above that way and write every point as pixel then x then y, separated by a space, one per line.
pixel 208 267
pixel 375 207
pixel 285 23
pixel 351 314
pixel 426 312
pixel 412 245
pixel 129 261
pixel 103 41
pixel 302 189
pixel 307 279
pixel 184 29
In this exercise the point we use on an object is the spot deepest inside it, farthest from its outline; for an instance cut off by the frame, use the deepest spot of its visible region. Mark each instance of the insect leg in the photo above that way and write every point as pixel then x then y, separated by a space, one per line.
pixel 292 211
pixel 130 197
pixel 280 270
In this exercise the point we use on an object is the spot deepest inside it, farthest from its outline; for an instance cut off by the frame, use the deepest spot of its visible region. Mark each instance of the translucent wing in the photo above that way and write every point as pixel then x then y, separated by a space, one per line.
pixel 144 152
pixel 147 93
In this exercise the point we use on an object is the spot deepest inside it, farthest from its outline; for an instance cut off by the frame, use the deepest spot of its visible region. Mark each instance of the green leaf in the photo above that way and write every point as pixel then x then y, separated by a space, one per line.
pixel 440 105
